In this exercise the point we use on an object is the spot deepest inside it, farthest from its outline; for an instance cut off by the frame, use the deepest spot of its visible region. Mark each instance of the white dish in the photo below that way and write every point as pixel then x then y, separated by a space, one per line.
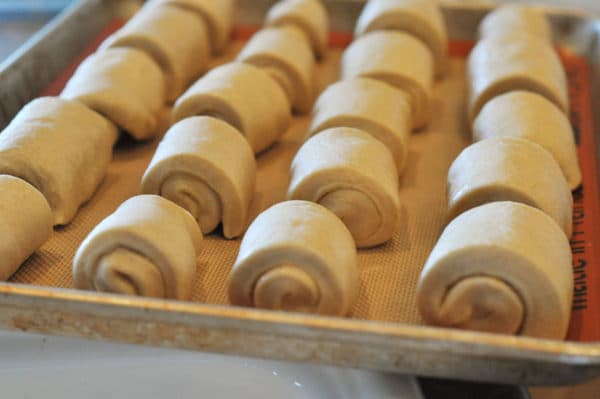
pixel 57 367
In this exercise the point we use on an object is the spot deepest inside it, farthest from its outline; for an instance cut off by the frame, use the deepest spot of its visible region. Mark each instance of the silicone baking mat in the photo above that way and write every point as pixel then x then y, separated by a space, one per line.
pixel 389 272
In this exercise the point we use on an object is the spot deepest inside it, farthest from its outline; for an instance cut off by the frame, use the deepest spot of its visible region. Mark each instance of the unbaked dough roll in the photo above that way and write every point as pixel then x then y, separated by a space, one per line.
pixel 60 147
pixel 509 169
pixel 499 64
pixel 368 105
pixel 176 39
pixel 218 14
pixel 398 59
pixel 25 223
pixel 515 20
pixel 352 174
pixel 125 85
pixel 503 267
pixel 309 15
pixel 421 18
pixel 284 53
pixel 147 247
pixel 207 167
pixel 296 256
pixel 532 117
pixel 242 95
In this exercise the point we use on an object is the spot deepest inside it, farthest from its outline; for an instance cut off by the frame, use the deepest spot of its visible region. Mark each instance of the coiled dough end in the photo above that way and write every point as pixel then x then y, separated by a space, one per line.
pixel 354 175
pixel 296 256
pixel 208 168
pixel 127 253
pixel 502 267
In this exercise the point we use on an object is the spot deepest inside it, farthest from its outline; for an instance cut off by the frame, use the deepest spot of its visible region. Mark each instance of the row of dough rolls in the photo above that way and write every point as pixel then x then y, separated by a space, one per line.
pixel 150 61
pixel 273 74
pixel 204 168
pixel 358 140
pixel 503 263
pixel 127 253
pixel 205 162
pixel 402 43
pixel 296 256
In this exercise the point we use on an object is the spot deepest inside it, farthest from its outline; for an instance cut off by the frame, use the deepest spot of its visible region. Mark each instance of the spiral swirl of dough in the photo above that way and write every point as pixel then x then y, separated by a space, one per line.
pixel 296 256
pixel 207 167
pixel 502 267
pixel 127 252
pixel 354 175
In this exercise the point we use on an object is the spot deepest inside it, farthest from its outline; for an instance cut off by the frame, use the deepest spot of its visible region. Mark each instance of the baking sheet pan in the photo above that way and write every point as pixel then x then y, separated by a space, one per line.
pixel 386 335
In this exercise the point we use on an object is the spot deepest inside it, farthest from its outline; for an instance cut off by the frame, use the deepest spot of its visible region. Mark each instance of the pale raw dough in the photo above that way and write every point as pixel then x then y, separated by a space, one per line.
pixel 500 64
pixel 398 59
pixel 219 16
pixel 509 169
pixel 242 95
pixel 296 256
pixel 503 267
pixel 532 117
pixel 368 105
pixel 285 54
pixel 25 223
pixel 421 18
pixel 147 247
pixel 60 147
pixel 354 175
pixel 125 85
pixel 515 20
pixel 207 167
pixel 309 15
pixel 175 38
